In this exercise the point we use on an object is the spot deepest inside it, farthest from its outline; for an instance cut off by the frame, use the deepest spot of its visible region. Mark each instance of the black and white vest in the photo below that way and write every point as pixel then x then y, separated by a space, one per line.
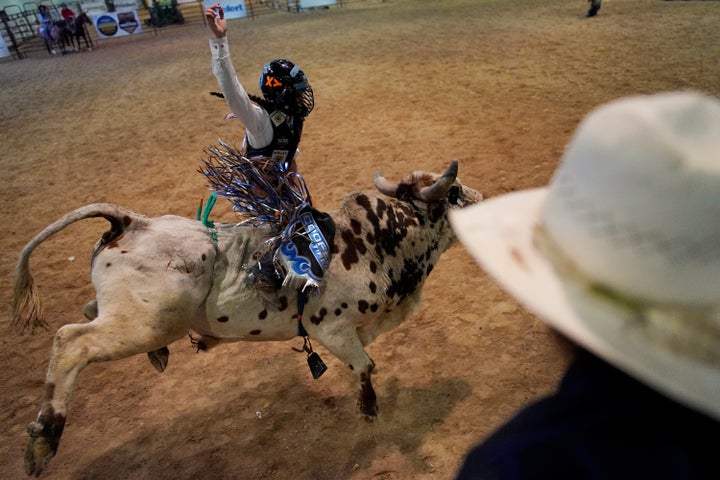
pixel 287 130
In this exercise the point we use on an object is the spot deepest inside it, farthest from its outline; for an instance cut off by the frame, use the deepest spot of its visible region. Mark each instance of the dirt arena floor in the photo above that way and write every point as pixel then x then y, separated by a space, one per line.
pixel 399 86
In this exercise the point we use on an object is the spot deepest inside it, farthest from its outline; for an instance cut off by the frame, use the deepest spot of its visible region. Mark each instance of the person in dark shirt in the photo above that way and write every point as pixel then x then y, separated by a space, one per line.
pixel 273 123
pixel 601 423
pixel 619 255
pixel 273 130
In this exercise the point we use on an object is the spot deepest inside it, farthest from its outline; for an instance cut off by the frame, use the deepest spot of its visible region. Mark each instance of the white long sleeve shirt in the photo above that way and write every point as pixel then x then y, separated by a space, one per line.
pixel 256 120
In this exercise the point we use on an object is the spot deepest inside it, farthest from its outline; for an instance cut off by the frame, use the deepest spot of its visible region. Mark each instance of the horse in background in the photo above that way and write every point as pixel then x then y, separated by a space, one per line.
pixel 56 34
pixel 79 31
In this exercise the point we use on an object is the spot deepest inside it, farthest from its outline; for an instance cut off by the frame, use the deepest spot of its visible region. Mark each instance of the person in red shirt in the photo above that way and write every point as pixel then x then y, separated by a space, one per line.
pixel 65 11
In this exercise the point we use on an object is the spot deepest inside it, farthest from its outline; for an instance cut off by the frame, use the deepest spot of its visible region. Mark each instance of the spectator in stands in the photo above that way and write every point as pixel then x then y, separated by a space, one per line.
pixel 66 12
pixel 620 254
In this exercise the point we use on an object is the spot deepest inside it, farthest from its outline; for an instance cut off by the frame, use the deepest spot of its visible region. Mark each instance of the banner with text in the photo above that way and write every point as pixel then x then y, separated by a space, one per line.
pixel 98 7
pixel 232 8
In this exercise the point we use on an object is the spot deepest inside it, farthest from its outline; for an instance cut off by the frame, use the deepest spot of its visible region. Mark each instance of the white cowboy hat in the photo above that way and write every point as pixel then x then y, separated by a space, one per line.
pixel 621 252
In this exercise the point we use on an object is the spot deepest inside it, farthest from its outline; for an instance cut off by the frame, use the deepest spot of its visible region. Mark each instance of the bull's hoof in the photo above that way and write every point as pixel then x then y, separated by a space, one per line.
pixel 38 451
pixel 198 342
pixel 369 411
pixel 159 358
pixel 203 343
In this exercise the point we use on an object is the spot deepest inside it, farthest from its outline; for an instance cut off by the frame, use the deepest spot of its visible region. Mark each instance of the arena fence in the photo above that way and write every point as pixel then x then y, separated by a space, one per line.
pixel 19 24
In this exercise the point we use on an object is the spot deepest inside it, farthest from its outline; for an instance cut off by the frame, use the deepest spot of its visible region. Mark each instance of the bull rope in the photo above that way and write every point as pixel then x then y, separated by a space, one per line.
pixel 204 217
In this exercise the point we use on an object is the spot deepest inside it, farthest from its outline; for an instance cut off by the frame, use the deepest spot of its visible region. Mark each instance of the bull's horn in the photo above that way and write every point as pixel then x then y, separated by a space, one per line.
pixel 439 189
pixel 384 186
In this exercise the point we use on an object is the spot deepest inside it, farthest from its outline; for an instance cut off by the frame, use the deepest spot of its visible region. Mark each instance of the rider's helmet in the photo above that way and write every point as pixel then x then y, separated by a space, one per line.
pixel 285 85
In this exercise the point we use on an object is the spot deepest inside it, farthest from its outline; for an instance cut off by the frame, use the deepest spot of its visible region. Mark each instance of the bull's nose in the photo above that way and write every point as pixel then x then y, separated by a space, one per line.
pixel 471 197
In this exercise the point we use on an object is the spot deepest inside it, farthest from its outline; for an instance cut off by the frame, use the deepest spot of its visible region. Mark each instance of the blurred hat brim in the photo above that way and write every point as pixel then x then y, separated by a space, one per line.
pixel 500 235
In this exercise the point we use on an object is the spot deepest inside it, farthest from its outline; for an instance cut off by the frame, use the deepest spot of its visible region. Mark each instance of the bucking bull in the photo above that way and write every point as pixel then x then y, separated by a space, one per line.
pixel 157 279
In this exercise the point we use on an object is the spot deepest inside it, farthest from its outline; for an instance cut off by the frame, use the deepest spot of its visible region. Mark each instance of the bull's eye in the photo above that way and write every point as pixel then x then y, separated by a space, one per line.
pixel 454 195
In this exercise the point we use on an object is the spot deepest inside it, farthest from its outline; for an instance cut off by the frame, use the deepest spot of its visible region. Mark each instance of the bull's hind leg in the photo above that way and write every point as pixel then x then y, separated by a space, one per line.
pixel 76 346
pixel 158 358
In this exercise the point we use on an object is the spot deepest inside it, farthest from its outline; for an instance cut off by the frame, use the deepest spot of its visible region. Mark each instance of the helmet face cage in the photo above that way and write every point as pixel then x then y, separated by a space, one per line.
pixel 285 85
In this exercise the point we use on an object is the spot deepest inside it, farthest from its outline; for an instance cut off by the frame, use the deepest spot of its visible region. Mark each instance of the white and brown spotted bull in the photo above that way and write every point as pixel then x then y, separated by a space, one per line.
pixel 159 278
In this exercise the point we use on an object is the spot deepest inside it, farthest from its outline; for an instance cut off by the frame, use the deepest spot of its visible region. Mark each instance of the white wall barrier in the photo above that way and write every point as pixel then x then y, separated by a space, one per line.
pixel 99 6
pixel 315 3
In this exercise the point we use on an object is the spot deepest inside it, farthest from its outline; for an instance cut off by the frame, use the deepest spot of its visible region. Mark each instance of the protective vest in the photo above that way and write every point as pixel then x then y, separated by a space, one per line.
pixel 287 130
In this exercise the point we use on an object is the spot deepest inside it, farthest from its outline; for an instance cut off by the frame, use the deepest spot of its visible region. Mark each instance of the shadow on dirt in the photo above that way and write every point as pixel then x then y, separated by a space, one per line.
pixel 302 434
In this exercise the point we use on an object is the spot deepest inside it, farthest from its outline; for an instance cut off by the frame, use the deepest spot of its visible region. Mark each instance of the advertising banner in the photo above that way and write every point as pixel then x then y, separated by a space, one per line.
pixel 232 8
pixel 93 8
pixel 117 24
pixel 102 6
pixel 125 5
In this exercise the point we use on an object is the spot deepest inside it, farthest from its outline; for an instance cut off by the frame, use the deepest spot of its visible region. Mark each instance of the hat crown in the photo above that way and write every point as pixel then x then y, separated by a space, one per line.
pixel 635 203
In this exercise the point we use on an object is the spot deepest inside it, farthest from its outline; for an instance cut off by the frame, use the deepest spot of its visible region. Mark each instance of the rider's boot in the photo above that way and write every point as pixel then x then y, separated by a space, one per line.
pixel 264 278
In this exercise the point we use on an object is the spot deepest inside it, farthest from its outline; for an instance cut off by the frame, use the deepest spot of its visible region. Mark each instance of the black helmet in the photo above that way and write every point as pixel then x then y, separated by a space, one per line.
pixel 285 85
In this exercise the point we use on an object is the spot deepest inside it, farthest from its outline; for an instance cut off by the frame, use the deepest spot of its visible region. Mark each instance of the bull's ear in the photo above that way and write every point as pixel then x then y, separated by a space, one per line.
pixel 454 195
pixel 439 189
pixel 384 186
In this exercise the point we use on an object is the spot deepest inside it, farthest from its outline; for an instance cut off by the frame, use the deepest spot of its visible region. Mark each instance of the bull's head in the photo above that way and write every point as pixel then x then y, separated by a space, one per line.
pixel 430 188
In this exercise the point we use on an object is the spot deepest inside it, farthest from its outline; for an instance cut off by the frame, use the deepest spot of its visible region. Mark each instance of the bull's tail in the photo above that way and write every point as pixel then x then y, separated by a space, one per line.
pixel 27 307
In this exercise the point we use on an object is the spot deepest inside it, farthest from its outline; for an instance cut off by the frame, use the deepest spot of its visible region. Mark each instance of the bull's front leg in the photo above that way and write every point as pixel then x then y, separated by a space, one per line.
pixel 367 402
pixel 345 344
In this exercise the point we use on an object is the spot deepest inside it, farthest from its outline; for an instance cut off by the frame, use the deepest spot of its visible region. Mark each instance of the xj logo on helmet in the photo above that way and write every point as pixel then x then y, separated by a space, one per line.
pixel 272 82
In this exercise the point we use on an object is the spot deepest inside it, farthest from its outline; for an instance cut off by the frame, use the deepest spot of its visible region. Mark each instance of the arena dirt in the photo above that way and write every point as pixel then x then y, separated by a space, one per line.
pixel 399 86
